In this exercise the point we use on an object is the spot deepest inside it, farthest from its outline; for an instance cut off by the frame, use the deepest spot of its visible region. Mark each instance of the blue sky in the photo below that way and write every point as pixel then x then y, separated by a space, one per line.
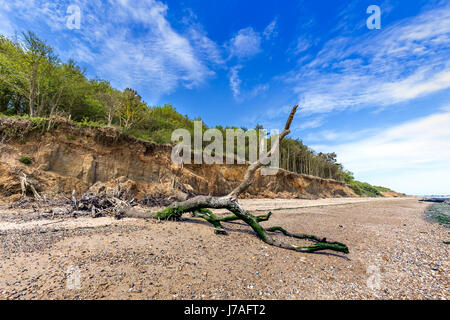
pixel 379 98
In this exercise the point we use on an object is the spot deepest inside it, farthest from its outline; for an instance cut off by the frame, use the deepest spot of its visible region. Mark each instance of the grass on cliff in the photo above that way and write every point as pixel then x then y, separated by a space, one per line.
pixel 364 189
pixel 25 160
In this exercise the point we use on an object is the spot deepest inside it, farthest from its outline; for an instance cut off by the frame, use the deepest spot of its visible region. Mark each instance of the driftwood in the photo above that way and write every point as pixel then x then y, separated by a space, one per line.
pixel 102 204
pixel 199 206
pixel 25 185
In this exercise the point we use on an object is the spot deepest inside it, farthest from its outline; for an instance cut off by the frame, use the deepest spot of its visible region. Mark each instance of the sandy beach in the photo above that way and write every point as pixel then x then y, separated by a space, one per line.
pixel 394 254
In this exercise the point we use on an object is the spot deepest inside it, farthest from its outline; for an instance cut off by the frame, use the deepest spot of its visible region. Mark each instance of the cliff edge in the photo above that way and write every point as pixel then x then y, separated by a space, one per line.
pixel 75 157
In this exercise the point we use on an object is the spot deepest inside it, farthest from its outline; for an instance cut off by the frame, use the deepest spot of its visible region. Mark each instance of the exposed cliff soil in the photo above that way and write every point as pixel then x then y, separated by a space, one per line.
pixel 71 157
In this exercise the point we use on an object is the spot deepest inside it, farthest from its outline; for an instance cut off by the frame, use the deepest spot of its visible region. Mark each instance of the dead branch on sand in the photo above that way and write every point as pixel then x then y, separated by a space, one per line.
pixel 199 206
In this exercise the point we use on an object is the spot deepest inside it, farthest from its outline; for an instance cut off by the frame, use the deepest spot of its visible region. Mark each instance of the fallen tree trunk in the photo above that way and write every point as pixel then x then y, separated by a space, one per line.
pixel 199 206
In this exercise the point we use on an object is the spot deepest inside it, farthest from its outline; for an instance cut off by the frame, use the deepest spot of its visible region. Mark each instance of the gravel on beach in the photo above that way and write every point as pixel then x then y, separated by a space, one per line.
pixel 394 254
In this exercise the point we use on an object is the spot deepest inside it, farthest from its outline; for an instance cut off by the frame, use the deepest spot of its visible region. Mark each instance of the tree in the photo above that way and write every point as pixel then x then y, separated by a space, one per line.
pixel 36 51
pixel 200 205
pixel 13 76
pixel 131 109
pixel 109 98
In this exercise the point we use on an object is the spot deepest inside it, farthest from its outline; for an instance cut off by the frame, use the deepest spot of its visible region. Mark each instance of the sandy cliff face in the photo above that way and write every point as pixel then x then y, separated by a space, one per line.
pixel 71 157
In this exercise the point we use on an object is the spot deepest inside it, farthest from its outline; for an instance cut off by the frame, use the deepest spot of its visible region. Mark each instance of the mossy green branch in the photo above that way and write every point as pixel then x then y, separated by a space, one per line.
pixel 234 218
pixel 170 213
pixel 210 217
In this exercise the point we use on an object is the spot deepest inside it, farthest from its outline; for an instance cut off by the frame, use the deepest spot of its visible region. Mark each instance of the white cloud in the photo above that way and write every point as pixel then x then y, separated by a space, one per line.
pixel 395 64
pixel 271 30
pixel 417 84
pixel 310 124
pixel 245 44
pixel 301 45
pixel 235 85
pixel 329 135
pixel 130 42
pixel 6 27
pixel 412 157
pixel 235 81
pixel 258 89
pixel 324 135
pixel 207 49
pixel 49 13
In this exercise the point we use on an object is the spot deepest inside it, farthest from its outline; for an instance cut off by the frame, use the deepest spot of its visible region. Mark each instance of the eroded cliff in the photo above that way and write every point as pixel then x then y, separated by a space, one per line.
pixel 72 157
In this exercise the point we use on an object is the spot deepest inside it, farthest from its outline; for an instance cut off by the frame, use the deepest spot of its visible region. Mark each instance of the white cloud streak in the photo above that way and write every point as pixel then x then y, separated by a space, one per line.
pixel 236 83
pixel 271 30
pixel 379 68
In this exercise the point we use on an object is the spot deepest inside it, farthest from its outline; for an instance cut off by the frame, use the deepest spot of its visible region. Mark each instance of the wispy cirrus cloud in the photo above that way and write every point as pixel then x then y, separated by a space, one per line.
pixel 336 136
pixel 235 84
pixel 132 43
pixel 245 44
pixel 310 123
pixel 401 62
pixel 235 81
pixel 271 30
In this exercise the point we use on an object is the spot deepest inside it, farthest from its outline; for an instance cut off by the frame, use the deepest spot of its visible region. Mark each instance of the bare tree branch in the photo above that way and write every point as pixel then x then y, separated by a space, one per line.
pixel 251 170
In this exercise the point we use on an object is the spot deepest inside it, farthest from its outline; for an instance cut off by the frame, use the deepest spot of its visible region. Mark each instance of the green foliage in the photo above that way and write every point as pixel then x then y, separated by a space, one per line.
pixel 364 189
pixel 35 83
pixel 383 189
pixel 158 123
pixel 25 160
pixel 86 122
pixel 16 132
pixel 296 157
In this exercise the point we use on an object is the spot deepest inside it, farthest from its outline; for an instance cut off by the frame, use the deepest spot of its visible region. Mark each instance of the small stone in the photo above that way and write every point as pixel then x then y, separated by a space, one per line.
pixel 220 231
